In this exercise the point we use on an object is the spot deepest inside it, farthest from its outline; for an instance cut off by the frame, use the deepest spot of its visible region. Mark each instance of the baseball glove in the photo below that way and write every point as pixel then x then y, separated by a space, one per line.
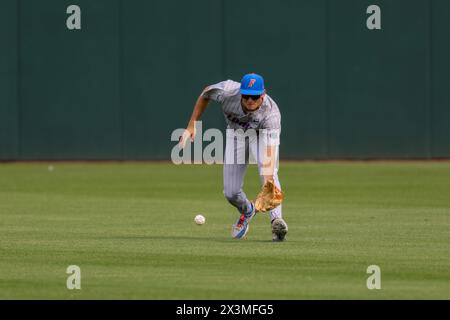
pixel 269 197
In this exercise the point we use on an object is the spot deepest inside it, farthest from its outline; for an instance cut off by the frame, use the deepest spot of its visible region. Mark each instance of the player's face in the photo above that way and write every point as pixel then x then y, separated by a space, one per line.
pixel 252 103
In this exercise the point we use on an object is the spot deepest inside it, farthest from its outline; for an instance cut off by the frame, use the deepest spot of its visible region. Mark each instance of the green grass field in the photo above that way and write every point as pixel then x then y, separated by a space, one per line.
pixel 129 227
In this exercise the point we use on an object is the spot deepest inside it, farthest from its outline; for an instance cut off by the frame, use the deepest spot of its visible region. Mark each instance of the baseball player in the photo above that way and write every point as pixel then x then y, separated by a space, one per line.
pixel 246 107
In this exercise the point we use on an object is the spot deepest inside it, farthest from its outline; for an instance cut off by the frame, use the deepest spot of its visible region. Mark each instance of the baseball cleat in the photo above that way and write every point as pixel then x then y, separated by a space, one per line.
pixel 279 229
pixel 240 228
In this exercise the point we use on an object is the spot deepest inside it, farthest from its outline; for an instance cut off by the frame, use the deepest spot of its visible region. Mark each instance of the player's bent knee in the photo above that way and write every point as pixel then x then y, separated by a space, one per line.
pixel 231 195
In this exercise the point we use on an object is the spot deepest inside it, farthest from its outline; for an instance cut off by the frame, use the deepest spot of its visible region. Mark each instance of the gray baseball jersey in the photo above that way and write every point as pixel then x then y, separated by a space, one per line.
pixel 228 95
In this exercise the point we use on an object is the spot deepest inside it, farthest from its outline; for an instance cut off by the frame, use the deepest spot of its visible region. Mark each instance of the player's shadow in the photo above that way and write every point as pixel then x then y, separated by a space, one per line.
pixel 175 238
pixel 186 238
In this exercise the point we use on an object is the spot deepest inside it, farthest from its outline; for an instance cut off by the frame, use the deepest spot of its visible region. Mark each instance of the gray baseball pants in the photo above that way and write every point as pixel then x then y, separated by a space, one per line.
pixel 235 166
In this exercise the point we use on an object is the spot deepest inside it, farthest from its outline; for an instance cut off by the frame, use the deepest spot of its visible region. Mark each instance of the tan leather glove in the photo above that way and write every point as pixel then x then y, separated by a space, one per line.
pixel 269 197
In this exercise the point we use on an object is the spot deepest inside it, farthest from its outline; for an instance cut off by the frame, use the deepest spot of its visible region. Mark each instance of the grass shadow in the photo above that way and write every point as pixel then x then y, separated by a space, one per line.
pixel 188 238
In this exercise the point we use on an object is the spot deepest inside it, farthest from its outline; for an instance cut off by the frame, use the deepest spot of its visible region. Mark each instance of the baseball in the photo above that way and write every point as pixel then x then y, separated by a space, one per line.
pixel 199 219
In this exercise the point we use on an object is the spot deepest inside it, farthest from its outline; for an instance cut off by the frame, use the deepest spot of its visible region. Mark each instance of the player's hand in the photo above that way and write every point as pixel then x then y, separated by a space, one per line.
pixel 189 132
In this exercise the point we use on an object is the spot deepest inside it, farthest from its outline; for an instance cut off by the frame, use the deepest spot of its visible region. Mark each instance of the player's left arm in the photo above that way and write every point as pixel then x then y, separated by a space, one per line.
pixel 268 162
pixel 271 140
pixel 270 195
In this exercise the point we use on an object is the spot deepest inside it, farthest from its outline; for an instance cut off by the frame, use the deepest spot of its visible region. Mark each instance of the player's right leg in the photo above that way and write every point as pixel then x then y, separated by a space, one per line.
pixel 233 182
pixel 233 178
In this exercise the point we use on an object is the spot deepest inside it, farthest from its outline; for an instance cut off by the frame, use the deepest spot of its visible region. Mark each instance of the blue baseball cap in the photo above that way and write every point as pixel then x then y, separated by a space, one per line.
pixel 252 84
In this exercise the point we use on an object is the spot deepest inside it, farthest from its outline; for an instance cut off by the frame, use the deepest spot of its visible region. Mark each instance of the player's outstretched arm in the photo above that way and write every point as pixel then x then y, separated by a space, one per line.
pixel 199 108
pixel 268 163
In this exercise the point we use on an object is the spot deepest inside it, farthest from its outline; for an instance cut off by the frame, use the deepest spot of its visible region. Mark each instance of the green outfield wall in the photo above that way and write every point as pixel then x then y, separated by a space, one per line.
pixel 119 86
